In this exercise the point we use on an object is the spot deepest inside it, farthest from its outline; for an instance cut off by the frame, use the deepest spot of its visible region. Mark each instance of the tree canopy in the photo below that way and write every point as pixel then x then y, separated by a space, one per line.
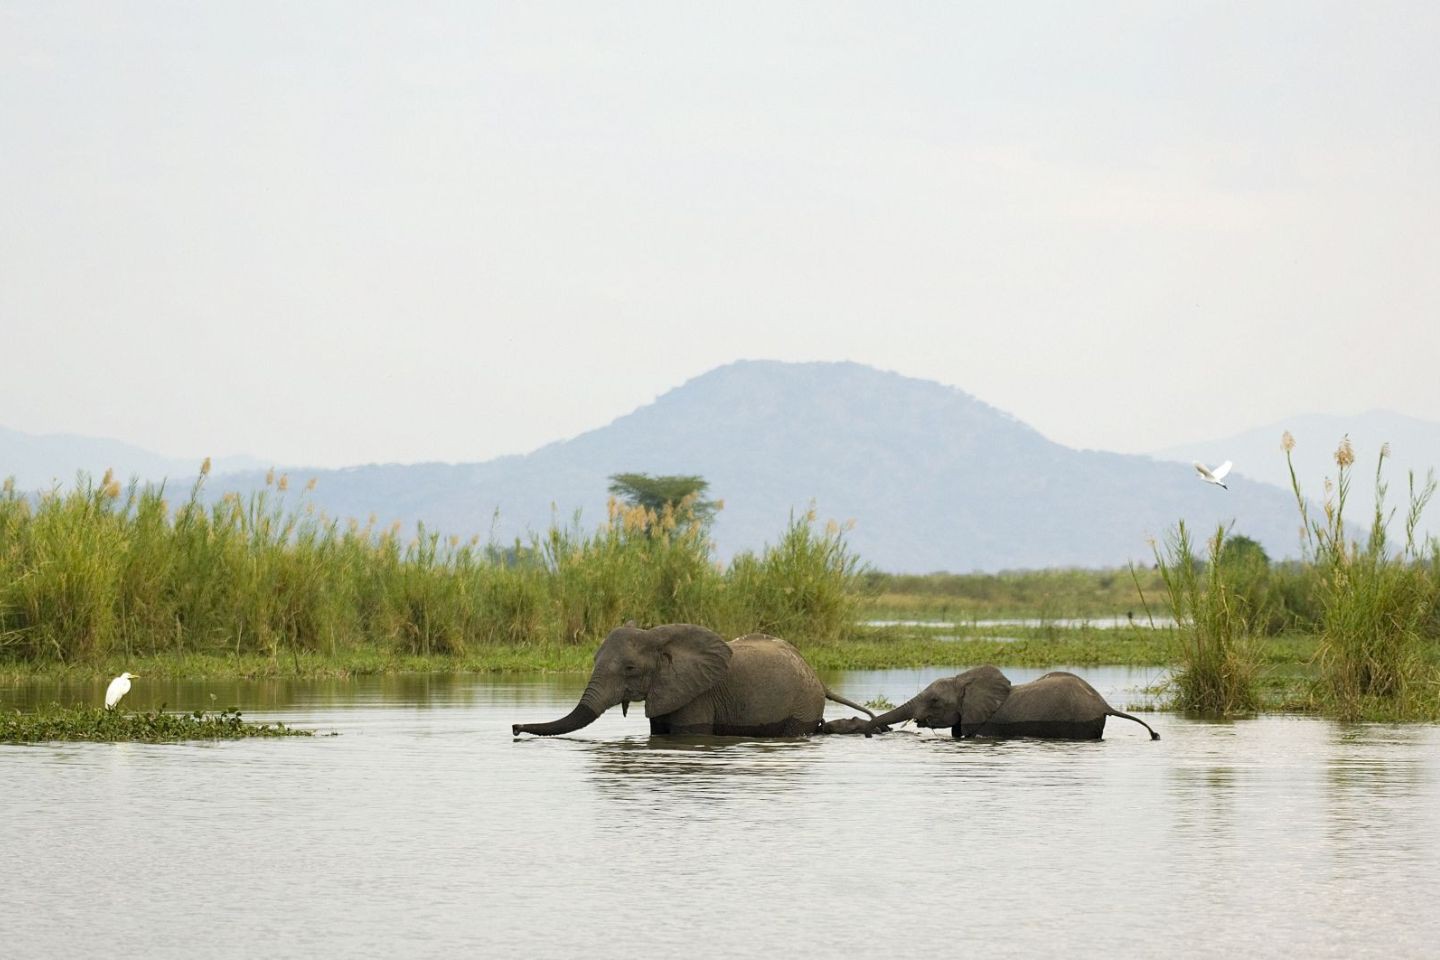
pixel 1239 550
pixel 682 494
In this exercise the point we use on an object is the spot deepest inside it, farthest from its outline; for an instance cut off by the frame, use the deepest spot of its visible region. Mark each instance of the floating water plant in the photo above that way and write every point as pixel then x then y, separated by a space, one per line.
pixel 95 724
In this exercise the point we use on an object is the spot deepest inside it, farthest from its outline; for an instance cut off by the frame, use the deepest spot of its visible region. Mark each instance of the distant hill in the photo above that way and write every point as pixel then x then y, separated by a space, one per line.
pixel 1414 445
pixel 38 462
pixel 934 478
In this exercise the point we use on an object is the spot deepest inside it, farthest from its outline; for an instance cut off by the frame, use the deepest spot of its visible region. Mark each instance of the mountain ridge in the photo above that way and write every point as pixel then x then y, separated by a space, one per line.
pixel 935 478
pixel 40 460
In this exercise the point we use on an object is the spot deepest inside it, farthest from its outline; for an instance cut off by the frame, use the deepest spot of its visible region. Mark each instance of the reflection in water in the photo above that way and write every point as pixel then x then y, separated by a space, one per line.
pixel 707 770
pixel 1376 777
pixel 426 828
pixel 408 689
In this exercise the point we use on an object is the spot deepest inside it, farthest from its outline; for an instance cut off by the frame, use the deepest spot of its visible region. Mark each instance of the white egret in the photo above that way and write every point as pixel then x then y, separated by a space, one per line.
pixel 118 688
pixel 1216 476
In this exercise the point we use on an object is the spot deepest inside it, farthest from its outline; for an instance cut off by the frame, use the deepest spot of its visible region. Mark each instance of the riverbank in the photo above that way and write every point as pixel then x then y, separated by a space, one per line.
pixel 873 649
pixel 1286 675
pixel 98 581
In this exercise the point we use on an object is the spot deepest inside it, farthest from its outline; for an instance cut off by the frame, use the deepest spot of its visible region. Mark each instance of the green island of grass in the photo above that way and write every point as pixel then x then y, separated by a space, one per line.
pixel 98 725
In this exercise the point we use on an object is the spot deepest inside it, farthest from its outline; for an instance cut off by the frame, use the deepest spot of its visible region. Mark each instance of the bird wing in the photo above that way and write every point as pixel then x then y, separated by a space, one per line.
pixel 1204 470
pixel 1223 469
pixel 117 689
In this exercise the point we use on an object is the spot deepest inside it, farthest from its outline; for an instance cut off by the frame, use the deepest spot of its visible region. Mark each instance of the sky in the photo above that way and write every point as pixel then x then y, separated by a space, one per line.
pixel 336 233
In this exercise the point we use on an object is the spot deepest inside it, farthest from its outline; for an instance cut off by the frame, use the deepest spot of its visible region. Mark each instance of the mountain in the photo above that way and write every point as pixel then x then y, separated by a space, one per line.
pixel 38 462
pixel 934 478
pixel 1414 445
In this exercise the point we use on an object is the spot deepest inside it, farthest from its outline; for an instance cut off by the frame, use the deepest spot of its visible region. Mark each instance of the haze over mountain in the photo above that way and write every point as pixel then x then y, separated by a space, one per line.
pixel 1414 445
pixel 934 478
pixel 39 461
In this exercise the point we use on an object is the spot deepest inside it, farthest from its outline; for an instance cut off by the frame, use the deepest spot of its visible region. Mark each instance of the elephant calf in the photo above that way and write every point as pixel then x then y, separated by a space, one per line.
pixel 982 703
pixel 693 682
pixel 852 725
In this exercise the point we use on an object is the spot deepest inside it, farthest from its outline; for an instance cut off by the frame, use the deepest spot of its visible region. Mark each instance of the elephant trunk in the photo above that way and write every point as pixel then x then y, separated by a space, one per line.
pixel 906 711
pixel 593 702
pixel 581 716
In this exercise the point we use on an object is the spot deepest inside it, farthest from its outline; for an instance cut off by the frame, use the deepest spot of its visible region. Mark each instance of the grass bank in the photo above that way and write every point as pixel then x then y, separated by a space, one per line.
pixel 872 649
pixel 1059 594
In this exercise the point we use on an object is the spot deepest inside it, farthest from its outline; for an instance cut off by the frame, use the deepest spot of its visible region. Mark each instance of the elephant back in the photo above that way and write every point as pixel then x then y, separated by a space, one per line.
pixel 769 683
pixel 1058 705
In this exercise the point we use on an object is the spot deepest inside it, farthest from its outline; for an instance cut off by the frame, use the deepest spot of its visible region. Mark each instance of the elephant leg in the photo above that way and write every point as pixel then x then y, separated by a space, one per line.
pixel 709 715
pixel 789 727
pixel 1046 729
pixel 696 718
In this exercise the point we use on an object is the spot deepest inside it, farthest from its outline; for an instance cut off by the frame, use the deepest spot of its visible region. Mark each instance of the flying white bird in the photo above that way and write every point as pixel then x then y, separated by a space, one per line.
pixel 1216 476
pixel 117 689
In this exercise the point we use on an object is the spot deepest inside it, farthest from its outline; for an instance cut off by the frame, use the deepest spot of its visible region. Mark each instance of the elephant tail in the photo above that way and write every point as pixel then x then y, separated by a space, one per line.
pixel 832 695
pixel 1126 716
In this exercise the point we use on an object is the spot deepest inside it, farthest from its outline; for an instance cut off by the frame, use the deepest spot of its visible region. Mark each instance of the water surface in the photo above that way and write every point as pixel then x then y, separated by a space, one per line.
pixel 425 829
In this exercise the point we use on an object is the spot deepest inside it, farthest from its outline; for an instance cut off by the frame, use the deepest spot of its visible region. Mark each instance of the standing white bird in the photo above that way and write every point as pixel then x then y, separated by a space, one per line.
pixel 1216 476
pixel 117 689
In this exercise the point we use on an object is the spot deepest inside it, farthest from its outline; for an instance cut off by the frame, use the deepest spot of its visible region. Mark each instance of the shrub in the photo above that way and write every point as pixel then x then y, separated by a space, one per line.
pixel 1212 606
pixel 1375 603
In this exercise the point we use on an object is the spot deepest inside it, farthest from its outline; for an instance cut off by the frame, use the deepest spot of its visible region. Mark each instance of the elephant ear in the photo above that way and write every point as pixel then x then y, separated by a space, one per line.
pixel 985 688
pixel 692 660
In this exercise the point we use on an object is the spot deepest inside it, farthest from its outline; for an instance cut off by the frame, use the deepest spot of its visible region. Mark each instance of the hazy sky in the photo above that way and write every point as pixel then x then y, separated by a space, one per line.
pixel 337 233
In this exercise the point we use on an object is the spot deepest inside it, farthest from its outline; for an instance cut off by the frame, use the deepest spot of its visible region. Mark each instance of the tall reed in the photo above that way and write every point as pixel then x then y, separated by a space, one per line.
pixel 1376 602
pixel 1216 663
pixel 100 571
pixel 806 584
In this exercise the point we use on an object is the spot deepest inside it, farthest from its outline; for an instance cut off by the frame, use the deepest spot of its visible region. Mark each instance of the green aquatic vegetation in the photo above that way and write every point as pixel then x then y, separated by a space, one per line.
pixel 1216 661
pixel 1378 604
pixel 96 724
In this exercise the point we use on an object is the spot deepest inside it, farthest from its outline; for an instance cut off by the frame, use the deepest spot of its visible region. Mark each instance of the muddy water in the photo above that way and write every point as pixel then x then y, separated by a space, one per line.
pixel 425 829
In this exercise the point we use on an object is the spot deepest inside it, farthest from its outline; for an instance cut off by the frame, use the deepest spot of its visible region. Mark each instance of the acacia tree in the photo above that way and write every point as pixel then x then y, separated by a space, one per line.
pixel 682 494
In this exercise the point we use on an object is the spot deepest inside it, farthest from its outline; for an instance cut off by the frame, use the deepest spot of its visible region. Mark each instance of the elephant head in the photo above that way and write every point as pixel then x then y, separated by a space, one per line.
pixel 667 667
pixel 964 701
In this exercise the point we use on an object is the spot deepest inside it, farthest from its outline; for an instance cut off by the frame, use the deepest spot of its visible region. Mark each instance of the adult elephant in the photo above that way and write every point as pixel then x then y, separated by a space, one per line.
pixel 983 703
pixel 693 682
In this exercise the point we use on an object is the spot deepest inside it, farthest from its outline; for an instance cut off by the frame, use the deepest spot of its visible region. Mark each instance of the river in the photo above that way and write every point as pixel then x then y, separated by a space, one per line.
pixel 425 829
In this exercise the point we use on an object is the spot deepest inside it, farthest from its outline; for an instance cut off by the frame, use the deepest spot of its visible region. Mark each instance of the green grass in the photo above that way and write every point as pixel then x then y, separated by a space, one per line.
pixel 1215 661
pixel 101 575
pixel 103 579
pixel 1378 604
pixel 96 724
pixel 872 649
pixel 1031 594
